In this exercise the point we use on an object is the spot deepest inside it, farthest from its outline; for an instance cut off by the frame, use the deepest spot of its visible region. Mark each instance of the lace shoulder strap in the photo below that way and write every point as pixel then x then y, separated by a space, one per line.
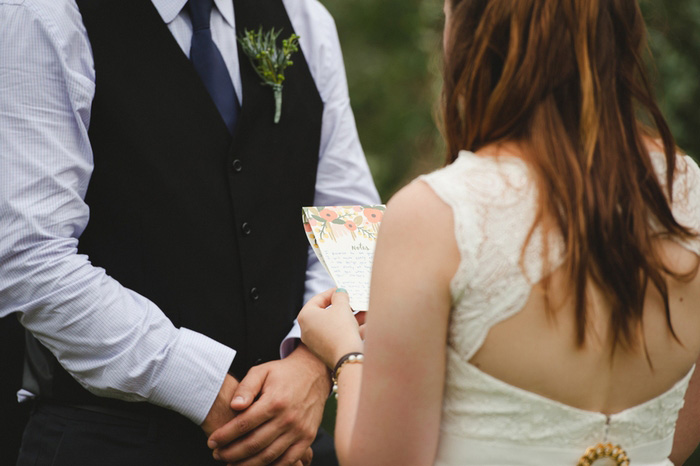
pixel 686 194
pixel 451 185
pixel 688 210
pixel 493 202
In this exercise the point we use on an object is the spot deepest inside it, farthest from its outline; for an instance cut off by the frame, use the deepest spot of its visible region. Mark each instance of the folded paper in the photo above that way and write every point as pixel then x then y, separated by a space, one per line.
pixel 343 238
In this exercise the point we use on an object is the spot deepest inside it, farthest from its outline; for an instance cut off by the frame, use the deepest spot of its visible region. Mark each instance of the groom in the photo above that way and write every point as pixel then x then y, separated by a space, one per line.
pixel 193 263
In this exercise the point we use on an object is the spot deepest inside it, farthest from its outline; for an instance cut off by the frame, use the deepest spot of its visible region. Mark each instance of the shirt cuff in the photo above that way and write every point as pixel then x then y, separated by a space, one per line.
pixel 291 341
pixel 195 371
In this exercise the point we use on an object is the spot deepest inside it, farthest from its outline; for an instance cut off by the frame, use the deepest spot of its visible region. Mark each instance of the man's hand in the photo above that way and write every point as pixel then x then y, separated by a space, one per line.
pixel 361 318
pixel 281 404
pixel 220 412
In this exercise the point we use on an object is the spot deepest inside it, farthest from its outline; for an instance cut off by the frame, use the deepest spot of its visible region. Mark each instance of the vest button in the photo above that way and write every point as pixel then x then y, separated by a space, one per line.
pixel 254 295
pixel 245 229
pixel 237 166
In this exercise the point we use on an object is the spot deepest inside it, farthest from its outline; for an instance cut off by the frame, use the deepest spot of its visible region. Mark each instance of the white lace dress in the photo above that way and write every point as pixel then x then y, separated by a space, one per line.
pixel 486 421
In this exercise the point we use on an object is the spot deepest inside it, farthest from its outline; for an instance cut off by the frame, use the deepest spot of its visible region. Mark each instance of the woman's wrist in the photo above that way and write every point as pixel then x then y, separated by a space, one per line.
pixel 346 349
pixel 355 357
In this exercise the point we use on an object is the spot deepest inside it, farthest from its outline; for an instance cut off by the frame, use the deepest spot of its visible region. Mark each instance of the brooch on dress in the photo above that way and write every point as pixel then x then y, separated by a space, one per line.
pixel 614 455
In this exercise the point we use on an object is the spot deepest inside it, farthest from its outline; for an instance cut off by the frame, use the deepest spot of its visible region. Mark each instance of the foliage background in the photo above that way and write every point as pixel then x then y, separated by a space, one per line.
pixel 392 51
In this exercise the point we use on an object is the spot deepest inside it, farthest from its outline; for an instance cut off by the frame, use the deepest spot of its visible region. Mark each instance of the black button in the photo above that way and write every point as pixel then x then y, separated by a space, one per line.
pixel 254 295
pixel 245 229
pixel 237 166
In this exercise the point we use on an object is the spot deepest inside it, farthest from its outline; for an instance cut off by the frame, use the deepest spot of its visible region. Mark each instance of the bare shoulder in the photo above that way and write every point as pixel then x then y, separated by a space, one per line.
pixel 418 207
pixel 418 198
pixel 683 161
pixel 653 144
pixel 418 224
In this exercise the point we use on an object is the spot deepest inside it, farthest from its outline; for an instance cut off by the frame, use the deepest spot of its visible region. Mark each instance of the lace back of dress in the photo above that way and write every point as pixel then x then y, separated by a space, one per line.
pixel 494 203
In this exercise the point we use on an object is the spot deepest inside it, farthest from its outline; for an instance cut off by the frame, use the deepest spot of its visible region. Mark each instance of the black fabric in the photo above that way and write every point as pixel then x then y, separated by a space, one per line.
pixel 13 416
pixel 204 224
pixel 324 450
pixel 61 435
pixel 58 435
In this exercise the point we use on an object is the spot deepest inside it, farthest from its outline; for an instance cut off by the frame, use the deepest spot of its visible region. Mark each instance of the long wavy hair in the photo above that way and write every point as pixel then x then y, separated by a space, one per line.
pixel 565 80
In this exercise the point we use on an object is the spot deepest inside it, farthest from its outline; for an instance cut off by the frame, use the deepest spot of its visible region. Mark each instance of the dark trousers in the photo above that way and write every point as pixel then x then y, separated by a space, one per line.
pixel 59 435
pixel 13 416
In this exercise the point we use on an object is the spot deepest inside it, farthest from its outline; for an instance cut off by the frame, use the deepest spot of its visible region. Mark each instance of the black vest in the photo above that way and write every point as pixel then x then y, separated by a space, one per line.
pixel 206 225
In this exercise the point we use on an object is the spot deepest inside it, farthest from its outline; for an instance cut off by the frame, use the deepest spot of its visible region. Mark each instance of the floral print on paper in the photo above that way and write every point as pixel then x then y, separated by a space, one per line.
pixel 337 221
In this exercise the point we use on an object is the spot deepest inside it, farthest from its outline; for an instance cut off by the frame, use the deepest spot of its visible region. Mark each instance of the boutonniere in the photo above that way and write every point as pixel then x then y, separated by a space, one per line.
pixel 268 60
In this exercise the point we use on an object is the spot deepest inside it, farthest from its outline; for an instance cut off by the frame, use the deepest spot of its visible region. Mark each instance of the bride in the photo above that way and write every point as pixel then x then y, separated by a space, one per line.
pixel 536 300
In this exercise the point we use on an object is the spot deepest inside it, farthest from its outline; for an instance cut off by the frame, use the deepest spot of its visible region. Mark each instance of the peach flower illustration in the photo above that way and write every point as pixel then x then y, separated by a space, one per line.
pixel 373 215
pixel 328 215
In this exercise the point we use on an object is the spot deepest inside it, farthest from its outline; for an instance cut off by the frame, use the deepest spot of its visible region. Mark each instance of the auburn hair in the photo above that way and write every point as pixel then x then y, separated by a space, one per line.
pixel 565 80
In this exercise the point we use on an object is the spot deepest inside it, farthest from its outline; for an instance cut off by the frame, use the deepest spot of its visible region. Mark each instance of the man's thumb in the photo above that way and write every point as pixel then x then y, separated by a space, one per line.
pixel 248 389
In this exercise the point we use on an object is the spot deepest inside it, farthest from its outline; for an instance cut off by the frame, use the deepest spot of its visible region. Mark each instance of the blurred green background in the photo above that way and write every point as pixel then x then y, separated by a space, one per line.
pixel 392 51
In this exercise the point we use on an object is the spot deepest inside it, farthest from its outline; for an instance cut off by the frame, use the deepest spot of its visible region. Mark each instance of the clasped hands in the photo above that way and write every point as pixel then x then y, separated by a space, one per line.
pixel 272 415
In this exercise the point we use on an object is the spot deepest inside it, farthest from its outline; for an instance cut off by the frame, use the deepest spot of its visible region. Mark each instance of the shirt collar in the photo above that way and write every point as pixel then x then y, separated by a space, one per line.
pixel 169 9
pixel 226 9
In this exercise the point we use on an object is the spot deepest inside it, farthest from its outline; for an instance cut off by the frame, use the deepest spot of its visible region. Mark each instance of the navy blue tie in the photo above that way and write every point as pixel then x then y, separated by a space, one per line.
pixel 207 60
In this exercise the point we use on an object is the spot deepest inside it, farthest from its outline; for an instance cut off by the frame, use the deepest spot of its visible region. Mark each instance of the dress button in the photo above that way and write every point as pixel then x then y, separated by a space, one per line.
pixel 245 229
pixel 254 295
pixel 237 166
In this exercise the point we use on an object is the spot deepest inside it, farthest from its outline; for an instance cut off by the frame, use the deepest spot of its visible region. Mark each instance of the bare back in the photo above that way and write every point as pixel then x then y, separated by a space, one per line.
pixel 514 374
pixel 537 352
pixel 532 351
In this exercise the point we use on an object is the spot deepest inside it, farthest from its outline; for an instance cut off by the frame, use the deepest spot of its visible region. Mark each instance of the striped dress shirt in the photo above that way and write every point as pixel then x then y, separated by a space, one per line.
pixel 113 341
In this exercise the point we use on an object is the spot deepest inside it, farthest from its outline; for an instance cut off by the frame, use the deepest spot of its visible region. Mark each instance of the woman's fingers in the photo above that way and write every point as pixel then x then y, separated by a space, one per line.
pixel 340 299
pixel 322 300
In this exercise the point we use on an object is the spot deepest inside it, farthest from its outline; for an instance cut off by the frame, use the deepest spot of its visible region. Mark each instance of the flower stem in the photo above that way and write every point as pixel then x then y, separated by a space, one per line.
pixel 277 88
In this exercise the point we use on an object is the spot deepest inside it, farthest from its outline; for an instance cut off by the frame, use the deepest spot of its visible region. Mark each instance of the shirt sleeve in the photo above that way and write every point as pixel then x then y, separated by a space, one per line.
pixel 343 176
pixel 113 341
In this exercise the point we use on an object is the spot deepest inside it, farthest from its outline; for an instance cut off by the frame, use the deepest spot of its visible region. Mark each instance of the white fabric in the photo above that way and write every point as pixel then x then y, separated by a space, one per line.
pixel 112 340
pixel 486 421
pixel 465 451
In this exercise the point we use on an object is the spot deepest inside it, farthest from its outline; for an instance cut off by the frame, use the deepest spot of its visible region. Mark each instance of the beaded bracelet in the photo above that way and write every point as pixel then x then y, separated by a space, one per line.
pixel 350 358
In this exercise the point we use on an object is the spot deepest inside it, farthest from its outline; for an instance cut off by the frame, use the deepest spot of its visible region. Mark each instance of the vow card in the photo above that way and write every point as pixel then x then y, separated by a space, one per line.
pixel 343 238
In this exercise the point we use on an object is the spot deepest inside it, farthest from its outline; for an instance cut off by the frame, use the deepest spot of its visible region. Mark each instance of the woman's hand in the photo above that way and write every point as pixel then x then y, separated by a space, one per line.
pixel 328 326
